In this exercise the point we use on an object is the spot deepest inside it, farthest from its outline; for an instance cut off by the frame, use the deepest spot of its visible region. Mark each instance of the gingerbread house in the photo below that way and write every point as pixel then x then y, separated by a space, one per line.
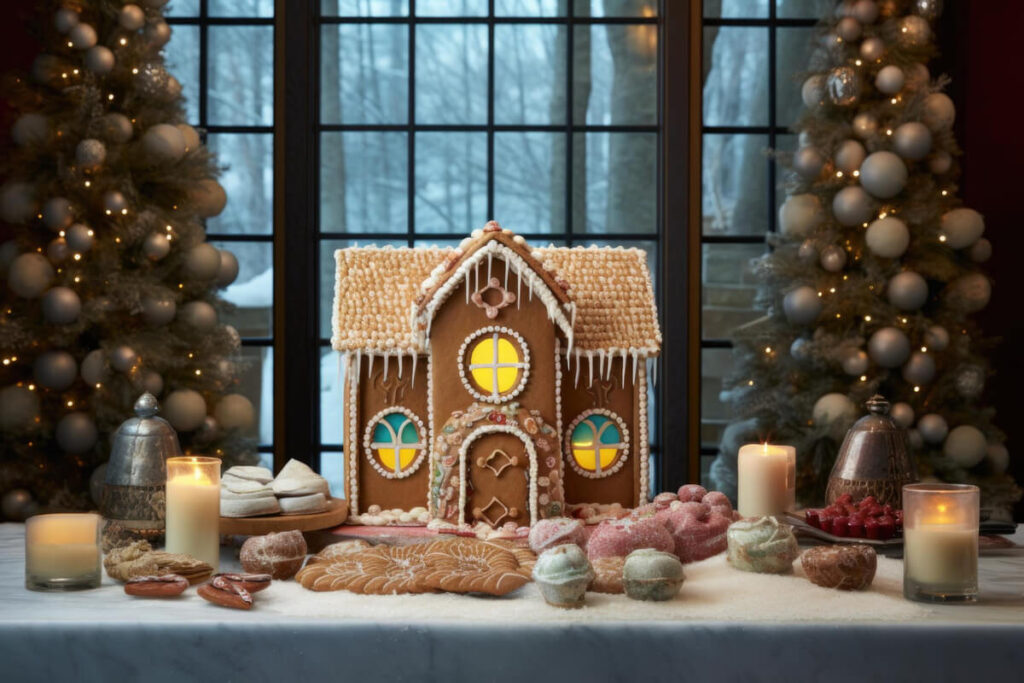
pixel 494 383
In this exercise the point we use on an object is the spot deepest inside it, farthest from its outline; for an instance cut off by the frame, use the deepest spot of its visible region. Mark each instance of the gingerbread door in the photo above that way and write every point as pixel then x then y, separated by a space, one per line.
pixel 498 486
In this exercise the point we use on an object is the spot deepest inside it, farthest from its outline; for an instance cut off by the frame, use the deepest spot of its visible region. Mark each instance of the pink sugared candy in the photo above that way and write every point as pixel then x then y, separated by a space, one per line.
pixel 692 492
pixel 698 523
pixel 620 537
pixel 663 500
pixel 547 533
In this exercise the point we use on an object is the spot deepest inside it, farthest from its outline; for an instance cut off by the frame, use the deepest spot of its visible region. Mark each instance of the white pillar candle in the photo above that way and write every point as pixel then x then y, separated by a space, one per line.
pixel 193 508
pixel 940 542
pixel 766 480
pixel 62 551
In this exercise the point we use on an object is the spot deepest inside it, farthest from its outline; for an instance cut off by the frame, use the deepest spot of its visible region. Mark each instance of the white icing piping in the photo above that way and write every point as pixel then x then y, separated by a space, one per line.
pixel 430 435
pixel 643 445
pixel 560 491
pixel 530 450
pixel 351 438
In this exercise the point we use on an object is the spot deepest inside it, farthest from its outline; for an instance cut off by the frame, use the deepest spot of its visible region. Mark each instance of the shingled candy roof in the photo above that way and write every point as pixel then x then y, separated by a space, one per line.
pixel 379 291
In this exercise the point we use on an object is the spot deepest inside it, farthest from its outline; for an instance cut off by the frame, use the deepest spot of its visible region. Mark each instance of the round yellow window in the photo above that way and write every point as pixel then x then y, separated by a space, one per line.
pixel 496 365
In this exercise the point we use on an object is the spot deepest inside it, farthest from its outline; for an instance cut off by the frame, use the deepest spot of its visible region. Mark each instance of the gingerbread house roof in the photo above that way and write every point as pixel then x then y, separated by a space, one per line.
pixel 601 297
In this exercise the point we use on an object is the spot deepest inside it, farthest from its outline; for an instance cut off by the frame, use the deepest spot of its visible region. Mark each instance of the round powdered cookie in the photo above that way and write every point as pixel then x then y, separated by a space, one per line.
pixel 465 565
pixel 279 554
pixel 607 575
pixel 381 570
pixel 846 567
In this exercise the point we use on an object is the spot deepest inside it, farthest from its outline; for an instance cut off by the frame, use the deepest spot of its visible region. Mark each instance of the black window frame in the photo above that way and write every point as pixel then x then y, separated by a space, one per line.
pixel 202 22
pixel 772 130
pixel 298 345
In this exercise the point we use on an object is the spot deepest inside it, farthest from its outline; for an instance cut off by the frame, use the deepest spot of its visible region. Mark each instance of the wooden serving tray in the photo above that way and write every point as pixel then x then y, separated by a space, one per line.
pixel 335 514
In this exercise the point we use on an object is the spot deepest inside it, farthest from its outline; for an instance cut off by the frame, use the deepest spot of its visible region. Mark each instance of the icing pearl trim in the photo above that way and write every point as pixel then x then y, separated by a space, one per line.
pixel 463 363
pixel 644 446
pixel 421 445
pixel 350 436
pixel 623 451
pixel 530 451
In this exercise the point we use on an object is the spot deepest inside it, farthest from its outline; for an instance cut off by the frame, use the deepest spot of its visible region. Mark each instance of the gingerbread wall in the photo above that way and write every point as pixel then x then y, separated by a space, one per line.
pixel 374 394
pixel 612 395
pixel 455 321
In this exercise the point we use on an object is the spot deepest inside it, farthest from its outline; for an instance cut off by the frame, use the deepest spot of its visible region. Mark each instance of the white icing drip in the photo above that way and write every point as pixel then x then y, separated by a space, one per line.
pixel 576 381
pixel 387 358
pixel 624 367
pixel 508 267
pixel 467 295
pixel 490 260
pixel 369 373
pixel 590 377
pixel 632 352
pixel 415 356
pixel 519 287
pixel 399 356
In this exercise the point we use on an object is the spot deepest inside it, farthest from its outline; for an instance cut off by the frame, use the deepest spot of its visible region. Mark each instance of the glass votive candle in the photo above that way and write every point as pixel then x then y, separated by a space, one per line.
pixel 940 542
pixel 192 522
pixel 62 552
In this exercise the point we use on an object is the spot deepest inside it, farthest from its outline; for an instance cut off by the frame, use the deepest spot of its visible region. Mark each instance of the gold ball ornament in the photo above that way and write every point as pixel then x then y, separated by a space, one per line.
pixel 844 86
pixel 914 31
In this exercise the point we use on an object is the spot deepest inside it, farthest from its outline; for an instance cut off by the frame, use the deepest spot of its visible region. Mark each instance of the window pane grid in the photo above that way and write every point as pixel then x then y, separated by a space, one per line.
pixel 414 232
pixel 769 131
pixel 212 131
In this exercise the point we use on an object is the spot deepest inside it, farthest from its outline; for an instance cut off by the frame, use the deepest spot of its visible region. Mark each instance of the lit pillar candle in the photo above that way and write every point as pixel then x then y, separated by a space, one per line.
pixel 767 480
pixel 193 508
pixel 62 552
pixel 940 542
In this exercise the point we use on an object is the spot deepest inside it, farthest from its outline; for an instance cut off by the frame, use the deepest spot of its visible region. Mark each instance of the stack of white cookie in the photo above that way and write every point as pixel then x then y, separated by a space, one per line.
pixel 300 490
pixel 247 491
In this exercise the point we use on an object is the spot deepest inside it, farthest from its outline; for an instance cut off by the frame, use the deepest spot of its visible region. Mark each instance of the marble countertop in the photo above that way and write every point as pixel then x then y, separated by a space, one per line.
pixel 723 621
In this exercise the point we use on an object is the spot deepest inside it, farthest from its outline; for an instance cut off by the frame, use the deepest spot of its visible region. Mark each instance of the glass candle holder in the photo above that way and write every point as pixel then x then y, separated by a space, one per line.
pixel 766 480
pixel 192 523
pixel 62 552
pixel 940 542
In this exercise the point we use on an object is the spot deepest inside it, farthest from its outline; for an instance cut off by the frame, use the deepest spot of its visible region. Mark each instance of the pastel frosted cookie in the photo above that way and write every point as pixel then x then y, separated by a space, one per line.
pixel 649 574
pixel 563 573
pixel 762 545
pixel 258 474
pixel 303 505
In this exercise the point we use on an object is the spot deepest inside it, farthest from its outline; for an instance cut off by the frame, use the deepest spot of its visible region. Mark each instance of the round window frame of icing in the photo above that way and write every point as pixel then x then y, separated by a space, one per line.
pixel 463 363
pixel 623 454
pixel 371 425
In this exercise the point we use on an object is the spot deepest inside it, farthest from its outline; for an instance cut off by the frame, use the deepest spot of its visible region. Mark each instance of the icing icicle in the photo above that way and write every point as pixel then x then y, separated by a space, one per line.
pixel 387 357
pixel 634 354
pixel 415 357
pixel 369 372
pixel 490 260
pixel 519 287
pixel 399 356
pixel 590 380
pixel 576 382
pixel 624 367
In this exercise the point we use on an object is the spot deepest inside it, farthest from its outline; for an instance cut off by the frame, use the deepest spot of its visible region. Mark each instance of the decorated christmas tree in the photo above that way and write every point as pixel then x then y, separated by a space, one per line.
pixel 108 286
pixel 875 271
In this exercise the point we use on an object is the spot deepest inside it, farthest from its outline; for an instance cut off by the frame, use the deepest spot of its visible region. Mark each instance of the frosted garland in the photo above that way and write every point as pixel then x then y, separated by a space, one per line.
pixel 432 455
pixel 560 490
pixel 462 363
pixel 643 446
pixel 624 450
pixel 421 446
pixel 423 320
pixel 353 468
pixel 530 450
